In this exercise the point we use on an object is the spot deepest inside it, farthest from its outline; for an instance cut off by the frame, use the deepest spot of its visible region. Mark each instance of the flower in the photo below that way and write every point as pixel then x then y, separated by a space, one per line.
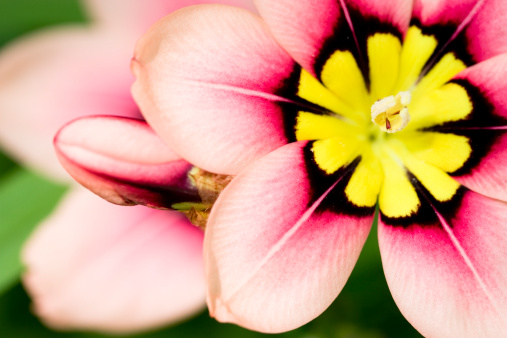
pixel 287 103
pixel 92 265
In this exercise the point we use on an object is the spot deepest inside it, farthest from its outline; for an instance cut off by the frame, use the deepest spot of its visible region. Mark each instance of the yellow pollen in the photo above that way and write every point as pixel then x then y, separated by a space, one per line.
pixel 390 114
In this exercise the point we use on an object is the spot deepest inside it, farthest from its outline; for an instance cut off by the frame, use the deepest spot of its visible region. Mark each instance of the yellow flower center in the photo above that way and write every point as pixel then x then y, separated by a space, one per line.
pixel 373 124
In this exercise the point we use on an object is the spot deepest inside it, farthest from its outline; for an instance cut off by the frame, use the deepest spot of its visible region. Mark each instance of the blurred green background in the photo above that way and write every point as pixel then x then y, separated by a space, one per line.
pixel 363 309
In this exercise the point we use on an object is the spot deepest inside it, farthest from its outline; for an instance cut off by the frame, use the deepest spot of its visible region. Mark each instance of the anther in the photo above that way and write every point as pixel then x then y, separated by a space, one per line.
pixel 390 114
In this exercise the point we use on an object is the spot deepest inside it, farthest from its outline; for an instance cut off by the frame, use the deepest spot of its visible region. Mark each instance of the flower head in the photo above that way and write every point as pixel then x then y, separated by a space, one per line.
pixel 93 265
pixel 286 103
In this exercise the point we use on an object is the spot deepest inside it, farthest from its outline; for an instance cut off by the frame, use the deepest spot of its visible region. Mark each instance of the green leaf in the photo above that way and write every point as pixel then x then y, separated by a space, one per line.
pixel 22 16
pixel 25 199
pixel 6 164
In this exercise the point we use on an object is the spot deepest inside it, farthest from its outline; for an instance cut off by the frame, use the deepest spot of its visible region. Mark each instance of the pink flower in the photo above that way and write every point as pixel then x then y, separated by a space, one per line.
pixel 322 110
pixel 93 265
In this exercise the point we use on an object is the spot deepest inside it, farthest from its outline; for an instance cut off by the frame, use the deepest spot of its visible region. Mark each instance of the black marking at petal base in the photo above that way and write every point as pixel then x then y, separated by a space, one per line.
pixel 290 115
pixel 443 32
pixel 289 89
pixel 336 201
pixel 425 215
pixel 482 116
pixel 289 86
pixel 483 112
pixel 343 39
pixel 290 110
pixel 481 142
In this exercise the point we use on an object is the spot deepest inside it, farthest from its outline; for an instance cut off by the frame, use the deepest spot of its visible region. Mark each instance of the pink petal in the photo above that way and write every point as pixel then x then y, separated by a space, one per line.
pixel 209 80
pixel 396 13
pixel 277 253
pixel 52 77
pixel 481 22
pixel 134 17
pixel 56 75
pixel 96 266
pixel 324 26
pixel 123 161
pixel 487 33
pixel 449 278
pixel 486 128
pixel 434 12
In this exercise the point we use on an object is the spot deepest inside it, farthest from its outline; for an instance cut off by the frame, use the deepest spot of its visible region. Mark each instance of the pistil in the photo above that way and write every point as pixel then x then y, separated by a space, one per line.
pixel 390 114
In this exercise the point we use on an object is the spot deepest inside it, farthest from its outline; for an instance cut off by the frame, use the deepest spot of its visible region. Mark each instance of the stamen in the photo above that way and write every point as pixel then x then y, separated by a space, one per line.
pixel 390 114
